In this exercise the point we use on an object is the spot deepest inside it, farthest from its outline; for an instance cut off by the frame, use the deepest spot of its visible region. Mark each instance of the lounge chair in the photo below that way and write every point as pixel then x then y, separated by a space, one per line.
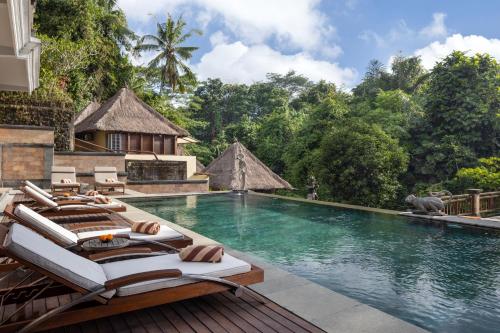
pixel 103 175
pixel 70 207
pixel 74 198
pixel 72 238
pixel 59 175
pixel 111 288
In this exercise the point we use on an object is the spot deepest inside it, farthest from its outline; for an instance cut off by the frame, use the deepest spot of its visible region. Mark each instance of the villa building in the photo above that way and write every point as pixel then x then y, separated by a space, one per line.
pixel 124 123
pixel 19 50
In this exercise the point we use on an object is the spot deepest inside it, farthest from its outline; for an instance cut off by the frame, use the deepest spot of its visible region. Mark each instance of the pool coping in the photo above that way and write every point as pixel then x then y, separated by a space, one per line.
pixel 325 308
pixel 330 203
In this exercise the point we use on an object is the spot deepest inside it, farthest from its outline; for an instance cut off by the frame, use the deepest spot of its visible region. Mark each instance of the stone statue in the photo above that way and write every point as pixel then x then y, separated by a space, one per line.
pixel 242 168
pixel 426 205
pixel 312 189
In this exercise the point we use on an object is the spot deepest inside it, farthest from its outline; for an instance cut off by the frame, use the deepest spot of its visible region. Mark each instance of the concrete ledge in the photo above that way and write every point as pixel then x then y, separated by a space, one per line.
pixel 87 153
pixel 180 181
pixel 478 224
pixel 27 127
pixel 332 204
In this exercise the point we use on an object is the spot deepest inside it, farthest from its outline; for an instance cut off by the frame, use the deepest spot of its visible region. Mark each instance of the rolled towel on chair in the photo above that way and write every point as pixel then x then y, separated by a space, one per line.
pixel 146 227
pixel 92 193
pixel 101 199
pixel 111 180
pixel 202 253
pixel 66 181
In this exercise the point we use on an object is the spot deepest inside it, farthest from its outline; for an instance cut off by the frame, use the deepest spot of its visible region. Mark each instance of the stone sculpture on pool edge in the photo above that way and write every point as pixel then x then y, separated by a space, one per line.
pixel 426 205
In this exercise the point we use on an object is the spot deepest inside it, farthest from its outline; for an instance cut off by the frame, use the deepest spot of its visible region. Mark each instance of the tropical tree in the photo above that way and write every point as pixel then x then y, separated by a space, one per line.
pixel 359 163
pixel 171 54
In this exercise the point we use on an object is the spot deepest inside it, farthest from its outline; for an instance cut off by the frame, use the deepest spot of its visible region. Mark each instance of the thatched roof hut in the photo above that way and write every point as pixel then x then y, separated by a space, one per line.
pixel 238 169
pixel 87 111
pixel 125 112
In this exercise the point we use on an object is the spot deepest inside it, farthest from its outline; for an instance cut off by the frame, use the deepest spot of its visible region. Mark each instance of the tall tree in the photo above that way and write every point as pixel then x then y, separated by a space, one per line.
pixel 171 54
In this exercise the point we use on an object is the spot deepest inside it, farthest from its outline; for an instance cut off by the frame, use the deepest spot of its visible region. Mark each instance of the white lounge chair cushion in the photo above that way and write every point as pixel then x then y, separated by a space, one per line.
pixel 39 222
pixel 38 189
pixel 72 185
pixel 30 246
pixel 228 266
pixel 41 199
pixel 165 233
pixel 110 184
pixel 90 206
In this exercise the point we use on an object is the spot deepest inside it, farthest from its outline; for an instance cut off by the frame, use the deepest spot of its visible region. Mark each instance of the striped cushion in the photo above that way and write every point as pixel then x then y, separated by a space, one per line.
pixel 66 181
pixel 202 253
pixel 101 199
pixel 92 193
pixel 150 228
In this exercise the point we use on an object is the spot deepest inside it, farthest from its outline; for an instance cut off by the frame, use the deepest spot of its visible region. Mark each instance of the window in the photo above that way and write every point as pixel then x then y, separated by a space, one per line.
pixel 115 141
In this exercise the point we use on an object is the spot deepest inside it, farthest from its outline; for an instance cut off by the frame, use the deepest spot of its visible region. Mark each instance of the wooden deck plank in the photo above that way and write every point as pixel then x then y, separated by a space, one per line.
pixel 177 321
pixel 222 312
pixel 242 313
pixel 163 323
pixel 211 324
pixel 189 318
pixel 262 316
pixel 304 324
pixel 218 317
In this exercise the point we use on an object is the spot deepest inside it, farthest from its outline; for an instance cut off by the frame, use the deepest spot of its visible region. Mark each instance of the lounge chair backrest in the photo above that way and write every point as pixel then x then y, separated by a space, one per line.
pixel 40 223
pixel 62 172
pixel 102 173
pixel 27 245
pixel 41 199
pixel 38 189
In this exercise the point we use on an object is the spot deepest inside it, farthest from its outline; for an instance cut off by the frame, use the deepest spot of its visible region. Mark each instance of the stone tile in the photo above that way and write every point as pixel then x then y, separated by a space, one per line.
pixel 312 301
pixel 363 318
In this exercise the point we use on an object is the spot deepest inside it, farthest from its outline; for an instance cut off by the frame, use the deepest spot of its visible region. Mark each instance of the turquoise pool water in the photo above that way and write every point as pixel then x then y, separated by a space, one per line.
pixel 444 280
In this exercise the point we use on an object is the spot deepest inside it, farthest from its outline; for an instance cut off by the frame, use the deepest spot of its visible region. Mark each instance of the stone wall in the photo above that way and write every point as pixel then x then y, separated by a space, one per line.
pixel 169 186
pixel 156 170
pixel 26 152
pixel 28 110
pixel 84 163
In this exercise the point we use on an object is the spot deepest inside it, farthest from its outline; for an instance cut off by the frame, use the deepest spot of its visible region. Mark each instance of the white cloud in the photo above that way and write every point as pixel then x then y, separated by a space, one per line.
pixel 299 24
pixel 472 44
pixel 436 28
pixel 218 37
pixel 399 32
pixel 240 63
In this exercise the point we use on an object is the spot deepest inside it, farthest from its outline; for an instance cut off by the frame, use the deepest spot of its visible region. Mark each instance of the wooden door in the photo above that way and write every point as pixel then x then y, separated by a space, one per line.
pixel 135 142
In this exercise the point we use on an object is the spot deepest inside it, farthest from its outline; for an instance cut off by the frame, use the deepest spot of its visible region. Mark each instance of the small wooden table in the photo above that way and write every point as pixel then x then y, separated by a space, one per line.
pixel 96 244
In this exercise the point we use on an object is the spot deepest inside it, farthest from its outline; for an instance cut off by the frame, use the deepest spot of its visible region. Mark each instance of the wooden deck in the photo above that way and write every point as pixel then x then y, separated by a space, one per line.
pixel 221 312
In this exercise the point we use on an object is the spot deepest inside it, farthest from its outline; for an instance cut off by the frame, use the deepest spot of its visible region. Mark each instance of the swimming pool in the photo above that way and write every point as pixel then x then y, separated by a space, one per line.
pixel 444 280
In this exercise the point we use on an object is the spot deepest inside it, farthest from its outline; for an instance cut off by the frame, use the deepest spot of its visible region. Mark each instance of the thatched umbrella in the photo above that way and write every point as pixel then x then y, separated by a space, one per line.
pixel 238 169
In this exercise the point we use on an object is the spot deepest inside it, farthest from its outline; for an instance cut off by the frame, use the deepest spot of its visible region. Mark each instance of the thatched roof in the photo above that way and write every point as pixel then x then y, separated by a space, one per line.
pixel 225 171
pixel 199 166
pixel 125 112
pixel 87 111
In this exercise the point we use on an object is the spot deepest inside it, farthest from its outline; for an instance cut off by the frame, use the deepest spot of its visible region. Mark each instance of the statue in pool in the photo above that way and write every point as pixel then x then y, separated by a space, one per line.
pixel 426 205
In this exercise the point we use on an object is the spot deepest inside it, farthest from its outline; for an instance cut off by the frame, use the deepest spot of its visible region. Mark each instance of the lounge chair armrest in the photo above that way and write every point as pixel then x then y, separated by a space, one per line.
pixel 141 277
pixel 83 240
pixel 120 253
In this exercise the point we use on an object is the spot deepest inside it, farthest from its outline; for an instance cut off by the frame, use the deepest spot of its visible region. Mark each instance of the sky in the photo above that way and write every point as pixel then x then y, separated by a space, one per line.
pixel 333 40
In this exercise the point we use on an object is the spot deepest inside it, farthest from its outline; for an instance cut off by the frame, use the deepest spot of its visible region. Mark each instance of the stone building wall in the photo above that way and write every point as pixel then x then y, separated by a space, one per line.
pixel 26 152
pixel 169 187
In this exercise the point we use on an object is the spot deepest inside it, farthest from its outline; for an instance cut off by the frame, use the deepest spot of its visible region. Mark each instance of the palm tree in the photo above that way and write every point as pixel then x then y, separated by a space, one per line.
pixel 170 59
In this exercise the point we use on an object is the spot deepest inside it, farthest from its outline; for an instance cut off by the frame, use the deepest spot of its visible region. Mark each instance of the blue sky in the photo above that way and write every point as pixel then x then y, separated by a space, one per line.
pixel 330 39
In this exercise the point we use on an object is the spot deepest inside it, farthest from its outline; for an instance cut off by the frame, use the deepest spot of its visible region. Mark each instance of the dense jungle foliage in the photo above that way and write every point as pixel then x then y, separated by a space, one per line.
pixel 401 130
